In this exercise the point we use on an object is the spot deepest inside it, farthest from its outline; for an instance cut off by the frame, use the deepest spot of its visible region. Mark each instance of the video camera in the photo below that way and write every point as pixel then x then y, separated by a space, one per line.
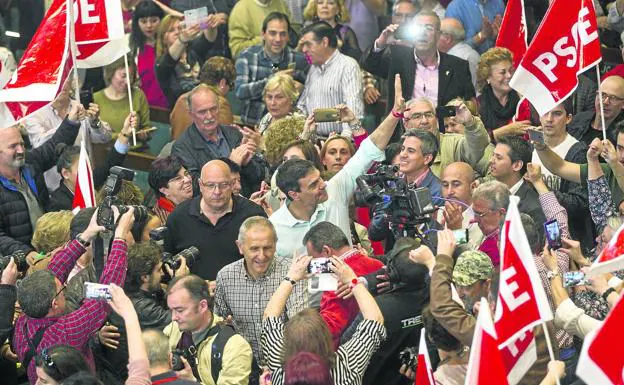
pixel 20 261
pixel 191 254
pixel 389 194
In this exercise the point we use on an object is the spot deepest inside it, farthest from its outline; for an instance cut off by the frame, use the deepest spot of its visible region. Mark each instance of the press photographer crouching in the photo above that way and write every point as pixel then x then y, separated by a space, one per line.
pixel 143 287
pixel 41 296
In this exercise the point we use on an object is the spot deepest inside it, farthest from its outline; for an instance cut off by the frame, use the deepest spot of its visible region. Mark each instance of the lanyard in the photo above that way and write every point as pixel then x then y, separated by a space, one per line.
pixel 164 380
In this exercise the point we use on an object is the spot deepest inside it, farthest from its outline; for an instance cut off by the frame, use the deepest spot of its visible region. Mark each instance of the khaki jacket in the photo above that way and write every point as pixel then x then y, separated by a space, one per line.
pixel 236 362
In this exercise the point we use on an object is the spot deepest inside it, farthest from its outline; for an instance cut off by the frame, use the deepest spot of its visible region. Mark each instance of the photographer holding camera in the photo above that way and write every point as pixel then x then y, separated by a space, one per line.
pixel 41 296
pixel 148 298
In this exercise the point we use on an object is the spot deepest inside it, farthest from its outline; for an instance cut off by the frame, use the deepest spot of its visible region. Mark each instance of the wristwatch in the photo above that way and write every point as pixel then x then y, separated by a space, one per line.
pixel 607 293
pixel 292 281
pixel 552 274
pixel 84 243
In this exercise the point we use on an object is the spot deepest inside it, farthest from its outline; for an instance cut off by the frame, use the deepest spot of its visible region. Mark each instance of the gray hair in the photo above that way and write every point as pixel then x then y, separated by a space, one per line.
pixel 455 30
pixel 420 99
pixel 494 192
pixel 252 222
pixel 430 14
pixel 201 87
pixel 157 346
pixel 428 141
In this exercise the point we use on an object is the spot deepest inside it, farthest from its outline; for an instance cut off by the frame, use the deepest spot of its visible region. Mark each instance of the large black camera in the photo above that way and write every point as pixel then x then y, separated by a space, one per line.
pixel 191 254
pixel 390 195
pixel 176 358
pixel 20 261
pixel 407 357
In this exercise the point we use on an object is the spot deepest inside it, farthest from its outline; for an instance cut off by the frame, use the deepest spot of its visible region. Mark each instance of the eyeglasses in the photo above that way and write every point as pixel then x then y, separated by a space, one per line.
pixel 481 215
pixel 179 178
pixel 421 115
pixel 612 98
pixel 212 186
pixel 60 291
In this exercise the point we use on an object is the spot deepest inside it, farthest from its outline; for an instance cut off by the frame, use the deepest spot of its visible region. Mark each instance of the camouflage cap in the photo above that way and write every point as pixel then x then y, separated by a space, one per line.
pixel 472 266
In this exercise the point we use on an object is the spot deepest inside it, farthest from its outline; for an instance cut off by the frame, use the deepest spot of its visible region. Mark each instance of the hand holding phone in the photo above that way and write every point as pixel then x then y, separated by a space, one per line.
pixel 536 136
pixel 322 115
pixel 553 234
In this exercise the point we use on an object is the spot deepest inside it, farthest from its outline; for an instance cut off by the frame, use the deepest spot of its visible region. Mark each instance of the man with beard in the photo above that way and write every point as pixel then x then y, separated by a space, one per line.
pixel 143 288
pixel 206 140
pixel 24 196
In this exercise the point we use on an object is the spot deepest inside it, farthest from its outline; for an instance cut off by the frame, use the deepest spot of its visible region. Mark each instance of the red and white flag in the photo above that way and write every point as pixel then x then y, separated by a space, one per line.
pixel 518 356
pixel 522 301
pixel 565 45
pixel 44 67
pixel 424 372
pixel 99 32
pixel 84 193
pixel 513 31
pixel 486 364
pixel 600 363
pixel 612 256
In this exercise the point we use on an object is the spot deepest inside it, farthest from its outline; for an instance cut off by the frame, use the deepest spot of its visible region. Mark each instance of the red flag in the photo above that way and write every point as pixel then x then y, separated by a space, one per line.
pixel 612 256
pixel 84 193
pixel 424 373
pixel 565 45
pixel 522 301
pixel 513 30
pixel 600 363
pixel 486 362
pixel 99 31
pixel 518 356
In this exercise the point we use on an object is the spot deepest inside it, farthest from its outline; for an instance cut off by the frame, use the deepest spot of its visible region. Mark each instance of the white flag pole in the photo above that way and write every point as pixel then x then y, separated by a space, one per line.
pixel 128 78
pixel 73 48
pixel 602 120
pixel 549 345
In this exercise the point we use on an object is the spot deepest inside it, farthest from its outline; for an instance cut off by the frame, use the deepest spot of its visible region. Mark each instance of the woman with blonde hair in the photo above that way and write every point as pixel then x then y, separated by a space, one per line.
pixel 498 101
pixel 280 97
pixel 335 13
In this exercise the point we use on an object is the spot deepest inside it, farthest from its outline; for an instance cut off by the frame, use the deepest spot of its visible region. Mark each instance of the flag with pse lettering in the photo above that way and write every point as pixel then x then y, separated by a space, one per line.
pixel 84 193
pixel 565 44
pixel 513 31
pixel 99 29
pixel 599 362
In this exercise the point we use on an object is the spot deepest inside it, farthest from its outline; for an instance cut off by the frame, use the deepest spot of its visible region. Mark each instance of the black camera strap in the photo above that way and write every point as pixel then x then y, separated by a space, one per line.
pixel 33 344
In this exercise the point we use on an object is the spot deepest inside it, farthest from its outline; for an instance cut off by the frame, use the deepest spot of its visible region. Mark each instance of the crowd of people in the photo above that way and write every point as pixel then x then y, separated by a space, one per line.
pixel 336 182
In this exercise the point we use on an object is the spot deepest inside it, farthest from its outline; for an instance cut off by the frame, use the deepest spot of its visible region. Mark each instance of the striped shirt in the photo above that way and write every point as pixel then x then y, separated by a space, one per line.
pixel 244 298
pixel 338 81
pixel 352 357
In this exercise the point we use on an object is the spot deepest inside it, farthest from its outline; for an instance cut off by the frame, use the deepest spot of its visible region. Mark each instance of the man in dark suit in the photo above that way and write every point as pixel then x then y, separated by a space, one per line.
pixel 206 140
pixel 425 71
pixel 508 165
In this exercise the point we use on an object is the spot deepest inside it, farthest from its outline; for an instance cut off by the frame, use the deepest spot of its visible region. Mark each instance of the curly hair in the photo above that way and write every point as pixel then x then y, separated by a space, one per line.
pixel 343 16
pixel 129 194
pixel 284 83
pixel 279 134
pixel 488 59
pixel 217 68
pixel 52 230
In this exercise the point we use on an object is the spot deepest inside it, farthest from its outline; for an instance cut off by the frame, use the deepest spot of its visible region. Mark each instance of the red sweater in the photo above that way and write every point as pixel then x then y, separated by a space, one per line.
pixel 339 313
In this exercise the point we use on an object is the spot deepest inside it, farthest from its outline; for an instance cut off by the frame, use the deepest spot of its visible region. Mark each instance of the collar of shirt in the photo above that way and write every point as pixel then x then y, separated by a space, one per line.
pixel 420 63
pixel 220 137
pixel 347 255
pixel 323 67
pixel 268 58
pixel 291 221
pixel 513 190
pixel 267 273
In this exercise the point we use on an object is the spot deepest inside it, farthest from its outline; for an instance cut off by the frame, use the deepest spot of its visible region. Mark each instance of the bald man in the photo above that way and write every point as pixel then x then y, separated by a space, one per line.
pixel 586 125
pixel 458 182
pixel 452 41
pixel 210 221
pixel 24 196
pixel 206 140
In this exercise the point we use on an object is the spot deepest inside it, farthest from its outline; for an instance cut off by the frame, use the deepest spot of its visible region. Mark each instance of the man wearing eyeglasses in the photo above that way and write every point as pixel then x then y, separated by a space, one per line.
pixel 470 147
pixel 206 140
pixel 587 125
pixel 210 221
pixel 425 72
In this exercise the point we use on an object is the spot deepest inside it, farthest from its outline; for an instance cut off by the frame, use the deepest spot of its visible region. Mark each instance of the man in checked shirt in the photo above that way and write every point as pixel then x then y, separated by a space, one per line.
pixel 245 286
pixel 41 296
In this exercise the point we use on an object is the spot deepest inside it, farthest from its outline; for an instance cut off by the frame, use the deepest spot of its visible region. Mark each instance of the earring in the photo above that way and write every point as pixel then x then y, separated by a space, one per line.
pixel 339 16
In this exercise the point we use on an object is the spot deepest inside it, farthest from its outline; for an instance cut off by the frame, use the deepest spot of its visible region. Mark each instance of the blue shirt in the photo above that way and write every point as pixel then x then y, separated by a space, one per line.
pixel 470 13
pixel 221 147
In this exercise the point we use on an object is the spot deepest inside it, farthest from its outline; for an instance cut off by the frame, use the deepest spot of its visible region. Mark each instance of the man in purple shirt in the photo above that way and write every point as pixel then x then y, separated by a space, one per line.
pixel 489 204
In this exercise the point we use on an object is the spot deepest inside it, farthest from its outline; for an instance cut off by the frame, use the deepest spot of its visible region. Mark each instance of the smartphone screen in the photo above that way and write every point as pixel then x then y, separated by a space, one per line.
pixel 461 236
pixel 553 234
pixel 319 266
pixel 574 278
